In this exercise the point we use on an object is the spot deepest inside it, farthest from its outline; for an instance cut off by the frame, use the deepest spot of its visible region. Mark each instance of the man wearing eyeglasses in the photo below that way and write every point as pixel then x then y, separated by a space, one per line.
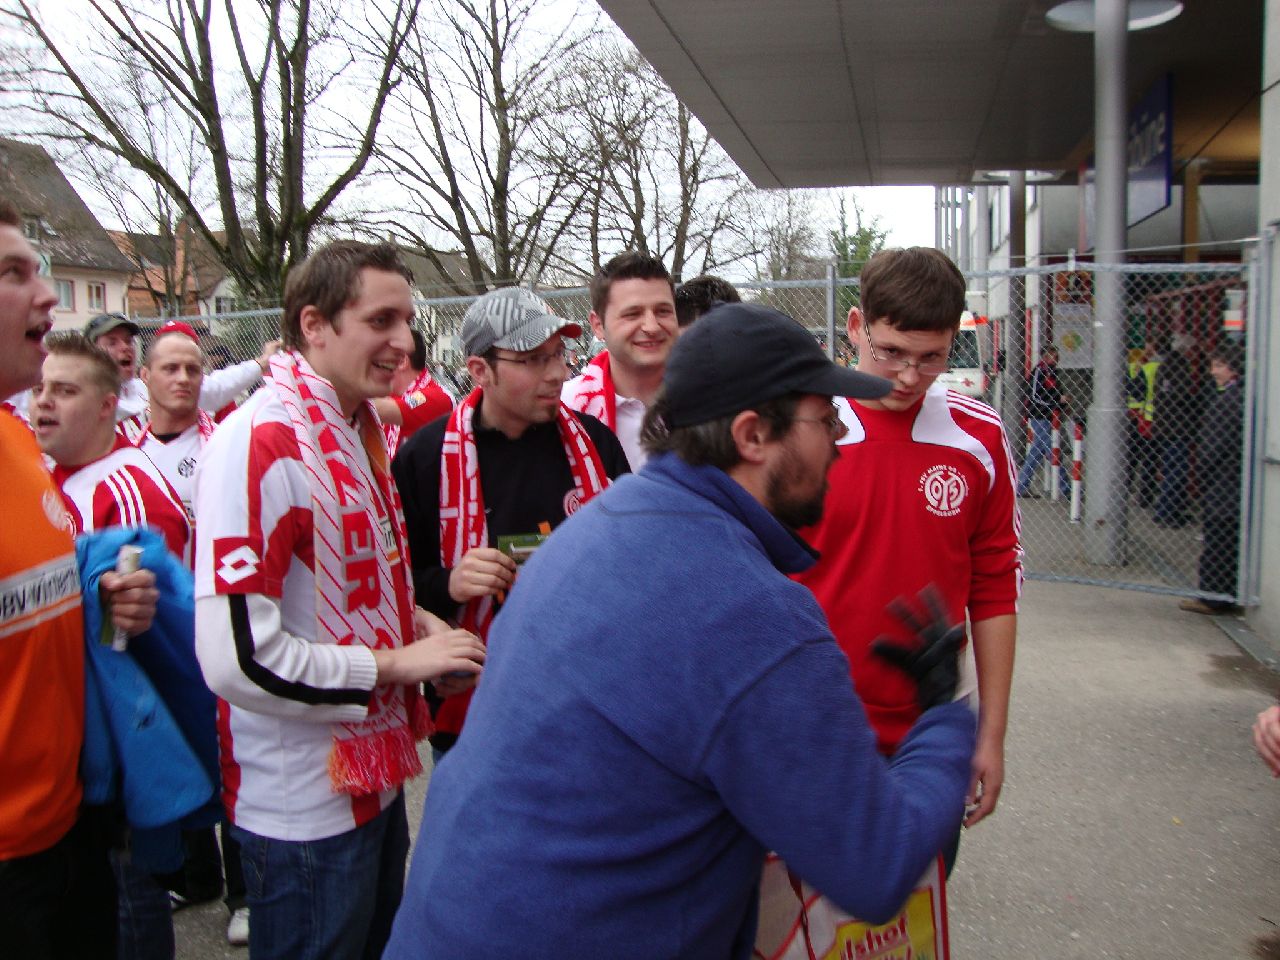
pixel 922 492
pixel 482 487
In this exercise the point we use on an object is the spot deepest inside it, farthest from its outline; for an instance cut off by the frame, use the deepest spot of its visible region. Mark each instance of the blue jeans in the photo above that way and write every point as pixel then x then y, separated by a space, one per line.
pixel 330 899
pixel 145 915
pixel 1041 450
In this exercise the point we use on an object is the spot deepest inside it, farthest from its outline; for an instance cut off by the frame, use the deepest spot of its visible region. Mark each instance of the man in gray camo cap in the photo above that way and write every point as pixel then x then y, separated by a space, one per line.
pixel 482 486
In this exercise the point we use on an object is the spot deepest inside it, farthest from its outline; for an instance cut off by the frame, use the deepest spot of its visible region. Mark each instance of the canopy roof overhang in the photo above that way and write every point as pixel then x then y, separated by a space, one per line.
pixel 819 93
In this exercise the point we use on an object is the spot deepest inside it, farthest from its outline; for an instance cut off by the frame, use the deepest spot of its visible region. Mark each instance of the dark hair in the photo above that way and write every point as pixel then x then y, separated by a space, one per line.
pixel 625 266
pixel 695 297
pixel 329 279
pixel 917 288
pixel 72 343
pixel 711 443
pixel 1230 353
pixel 9 215
pixel 418 356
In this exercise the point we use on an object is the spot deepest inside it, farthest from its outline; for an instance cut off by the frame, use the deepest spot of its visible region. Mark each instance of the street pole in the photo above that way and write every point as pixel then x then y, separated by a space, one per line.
pixel 1014 376
pixel 1106 516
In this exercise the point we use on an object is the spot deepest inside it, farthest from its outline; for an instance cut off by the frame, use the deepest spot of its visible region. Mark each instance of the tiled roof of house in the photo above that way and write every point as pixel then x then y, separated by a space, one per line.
pixel 70 234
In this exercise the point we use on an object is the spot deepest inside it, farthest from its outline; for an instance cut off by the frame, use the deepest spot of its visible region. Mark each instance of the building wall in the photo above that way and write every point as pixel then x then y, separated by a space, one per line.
pixel 1266 618
pixel 80 311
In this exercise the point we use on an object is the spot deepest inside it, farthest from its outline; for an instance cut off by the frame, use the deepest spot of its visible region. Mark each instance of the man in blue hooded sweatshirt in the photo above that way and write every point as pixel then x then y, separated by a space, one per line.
pixel 662 705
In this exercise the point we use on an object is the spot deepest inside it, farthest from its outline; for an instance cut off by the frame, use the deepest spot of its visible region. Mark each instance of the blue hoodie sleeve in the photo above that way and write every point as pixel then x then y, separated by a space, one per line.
pixel 796 763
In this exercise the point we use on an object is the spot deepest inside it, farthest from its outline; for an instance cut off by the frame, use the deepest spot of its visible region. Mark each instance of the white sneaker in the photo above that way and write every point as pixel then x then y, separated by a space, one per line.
pixel 238 928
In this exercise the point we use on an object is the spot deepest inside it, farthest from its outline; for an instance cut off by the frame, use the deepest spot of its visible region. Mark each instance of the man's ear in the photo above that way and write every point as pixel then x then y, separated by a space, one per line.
pixel 315 326
pixel 854 323
pixel 751 436
pixel 108 408
pixel 145 373
pixel 597 325
pixel 481 374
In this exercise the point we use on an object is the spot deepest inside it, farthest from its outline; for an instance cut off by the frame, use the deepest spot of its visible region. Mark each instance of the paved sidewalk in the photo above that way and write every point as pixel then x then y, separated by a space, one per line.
pixel 1136 821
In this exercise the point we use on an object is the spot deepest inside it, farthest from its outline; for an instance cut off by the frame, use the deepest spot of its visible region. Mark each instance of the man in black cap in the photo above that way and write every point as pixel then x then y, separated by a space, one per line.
pixel 662 704
pixel 481 487
pixel 115 333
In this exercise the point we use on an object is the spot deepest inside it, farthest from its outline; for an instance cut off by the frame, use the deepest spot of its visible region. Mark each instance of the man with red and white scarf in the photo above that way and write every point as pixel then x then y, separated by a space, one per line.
pixel 633 311
pixel 484 486
pixel 306 624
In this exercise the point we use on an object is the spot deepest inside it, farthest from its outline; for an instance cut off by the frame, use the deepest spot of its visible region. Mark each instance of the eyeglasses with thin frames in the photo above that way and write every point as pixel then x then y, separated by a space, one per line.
pixel 538 362
pixel 926 368
pixel 836 427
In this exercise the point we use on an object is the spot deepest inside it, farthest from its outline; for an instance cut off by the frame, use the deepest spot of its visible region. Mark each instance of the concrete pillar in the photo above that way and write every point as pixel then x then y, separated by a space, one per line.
pixel 1106 517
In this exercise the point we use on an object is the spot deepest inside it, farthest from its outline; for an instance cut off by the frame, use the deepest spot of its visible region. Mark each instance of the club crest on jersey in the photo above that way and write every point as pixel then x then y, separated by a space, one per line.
pixel 944 488
pixel 572 502
pixel 187 466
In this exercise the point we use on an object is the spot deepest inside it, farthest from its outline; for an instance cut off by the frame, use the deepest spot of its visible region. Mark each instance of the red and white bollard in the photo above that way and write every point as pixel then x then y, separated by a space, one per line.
pixel 1077 472
pixel 1055 463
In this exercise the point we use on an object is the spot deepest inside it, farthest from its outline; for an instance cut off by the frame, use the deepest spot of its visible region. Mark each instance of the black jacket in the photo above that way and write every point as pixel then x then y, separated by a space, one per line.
pixel 1219 455
pixel 524 483
pixel 1044 395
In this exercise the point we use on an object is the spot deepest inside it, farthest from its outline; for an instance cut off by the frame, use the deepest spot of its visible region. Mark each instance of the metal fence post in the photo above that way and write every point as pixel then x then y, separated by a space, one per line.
pixel 831 310
pixel 1256 394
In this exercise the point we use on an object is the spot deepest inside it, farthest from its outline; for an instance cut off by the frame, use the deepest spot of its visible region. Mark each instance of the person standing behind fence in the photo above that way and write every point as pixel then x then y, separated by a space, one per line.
pixel 1045 399
pixel 1218 461
pixel 1175 423
pixel 1140 390
pixel 633 311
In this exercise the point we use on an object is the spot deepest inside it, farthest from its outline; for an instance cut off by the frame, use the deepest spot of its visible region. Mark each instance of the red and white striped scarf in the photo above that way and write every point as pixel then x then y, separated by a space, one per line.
pixel 462 520
pixel 362 592
pixel 593 392
pixel 392 430
pixel 136 429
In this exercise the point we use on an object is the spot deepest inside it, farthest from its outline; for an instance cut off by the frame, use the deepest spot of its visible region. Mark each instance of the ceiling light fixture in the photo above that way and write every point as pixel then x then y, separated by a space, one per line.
pixel 1076 16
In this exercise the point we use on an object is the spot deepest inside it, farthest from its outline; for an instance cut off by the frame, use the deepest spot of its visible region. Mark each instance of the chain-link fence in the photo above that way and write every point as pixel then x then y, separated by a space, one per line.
pixel 1185 439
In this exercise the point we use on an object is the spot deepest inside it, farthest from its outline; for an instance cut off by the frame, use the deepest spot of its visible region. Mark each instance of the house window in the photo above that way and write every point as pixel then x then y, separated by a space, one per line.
pixel 66 294
pixel 31 229
pixel 224 305
pixel 97 297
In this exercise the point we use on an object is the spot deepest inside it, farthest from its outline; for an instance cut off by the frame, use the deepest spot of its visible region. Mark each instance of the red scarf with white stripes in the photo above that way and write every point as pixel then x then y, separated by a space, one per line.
pixel 362 592
pixel 593 392
pixel 462 521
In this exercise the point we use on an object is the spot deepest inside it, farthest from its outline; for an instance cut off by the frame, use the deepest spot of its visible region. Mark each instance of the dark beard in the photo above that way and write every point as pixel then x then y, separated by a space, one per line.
pixel 794 512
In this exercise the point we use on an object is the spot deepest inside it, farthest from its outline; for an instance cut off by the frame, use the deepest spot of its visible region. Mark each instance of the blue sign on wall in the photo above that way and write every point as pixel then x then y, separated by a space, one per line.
pixel 1150 162
pixel 1150 140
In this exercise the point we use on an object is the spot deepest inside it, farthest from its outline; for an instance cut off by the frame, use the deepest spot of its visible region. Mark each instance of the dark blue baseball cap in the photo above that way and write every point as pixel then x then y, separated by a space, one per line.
pixel 739 355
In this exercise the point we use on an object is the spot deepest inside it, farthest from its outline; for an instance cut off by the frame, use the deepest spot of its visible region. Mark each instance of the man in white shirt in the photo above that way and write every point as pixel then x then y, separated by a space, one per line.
pixel 305 622
pixel 633 311
pixel 115 333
